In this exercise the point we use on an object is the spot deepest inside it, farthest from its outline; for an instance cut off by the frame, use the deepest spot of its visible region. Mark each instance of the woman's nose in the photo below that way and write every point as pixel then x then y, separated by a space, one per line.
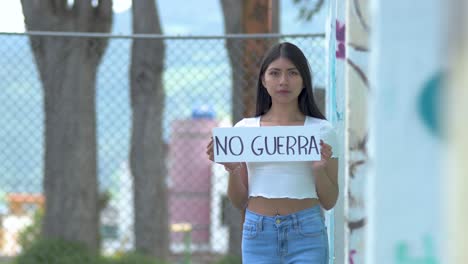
pixel 284 78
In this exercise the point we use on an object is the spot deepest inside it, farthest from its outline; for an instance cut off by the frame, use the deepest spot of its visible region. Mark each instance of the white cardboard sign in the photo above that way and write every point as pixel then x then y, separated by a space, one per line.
pixel 266 144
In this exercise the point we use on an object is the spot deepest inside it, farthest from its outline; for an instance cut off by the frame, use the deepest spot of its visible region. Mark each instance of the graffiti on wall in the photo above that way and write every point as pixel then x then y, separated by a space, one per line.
pixel 351 256
pixel 404 252
pixel 356 56
pixel 340 40
pixel 429 105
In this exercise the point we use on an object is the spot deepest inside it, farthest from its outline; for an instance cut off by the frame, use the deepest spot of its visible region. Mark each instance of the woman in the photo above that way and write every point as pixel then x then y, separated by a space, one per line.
pixel 283 201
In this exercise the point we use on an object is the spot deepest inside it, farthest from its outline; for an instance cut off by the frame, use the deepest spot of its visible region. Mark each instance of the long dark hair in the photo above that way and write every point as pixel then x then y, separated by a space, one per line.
pixel 306 98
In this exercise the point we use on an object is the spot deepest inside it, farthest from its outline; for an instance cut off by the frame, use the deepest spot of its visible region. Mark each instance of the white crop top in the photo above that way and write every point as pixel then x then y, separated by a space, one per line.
pixel 285 179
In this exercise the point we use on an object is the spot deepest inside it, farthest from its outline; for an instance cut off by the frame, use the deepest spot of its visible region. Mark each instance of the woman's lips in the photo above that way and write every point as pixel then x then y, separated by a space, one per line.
pixel 283 92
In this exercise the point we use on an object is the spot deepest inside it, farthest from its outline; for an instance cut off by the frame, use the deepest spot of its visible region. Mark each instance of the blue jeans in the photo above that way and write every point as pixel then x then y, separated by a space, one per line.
pixel 297 238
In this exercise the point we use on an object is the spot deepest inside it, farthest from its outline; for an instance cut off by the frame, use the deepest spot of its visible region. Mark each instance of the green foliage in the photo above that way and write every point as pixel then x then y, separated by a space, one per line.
pixel 37 250
pixel 229 259
pixel 132 258
pixel 32 232
pixel 57 252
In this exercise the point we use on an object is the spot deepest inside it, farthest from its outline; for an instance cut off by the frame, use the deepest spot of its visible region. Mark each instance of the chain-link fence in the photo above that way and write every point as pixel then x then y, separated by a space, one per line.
pixel 198 76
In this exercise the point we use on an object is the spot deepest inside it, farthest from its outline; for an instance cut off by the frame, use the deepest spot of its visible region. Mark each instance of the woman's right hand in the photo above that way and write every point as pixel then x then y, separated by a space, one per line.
pixel 229 166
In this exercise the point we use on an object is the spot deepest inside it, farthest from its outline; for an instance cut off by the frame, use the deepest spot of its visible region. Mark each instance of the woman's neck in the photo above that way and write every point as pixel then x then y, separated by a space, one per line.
pixel 283 114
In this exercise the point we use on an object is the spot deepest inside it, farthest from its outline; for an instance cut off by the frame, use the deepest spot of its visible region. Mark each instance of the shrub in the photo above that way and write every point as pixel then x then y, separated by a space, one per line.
pixel 229 259
pixel 133 258
pixel 31 233
pixel 57 252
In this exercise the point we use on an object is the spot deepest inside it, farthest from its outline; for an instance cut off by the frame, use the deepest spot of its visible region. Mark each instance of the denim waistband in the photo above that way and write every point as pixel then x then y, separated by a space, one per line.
pixel 294 217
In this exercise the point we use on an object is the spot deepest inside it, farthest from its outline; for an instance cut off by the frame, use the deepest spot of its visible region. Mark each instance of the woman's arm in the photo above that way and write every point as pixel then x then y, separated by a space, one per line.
pixel 238 181
pixel 238 185
pixel 326 176
pixel 326 183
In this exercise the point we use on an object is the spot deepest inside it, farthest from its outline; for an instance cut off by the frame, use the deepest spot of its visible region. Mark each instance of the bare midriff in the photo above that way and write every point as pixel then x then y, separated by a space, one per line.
pixel 279 206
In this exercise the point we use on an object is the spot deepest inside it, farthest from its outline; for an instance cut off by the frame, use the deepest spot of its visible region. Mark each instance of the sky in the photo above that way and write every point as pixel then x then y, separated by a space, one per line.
pixel 176 21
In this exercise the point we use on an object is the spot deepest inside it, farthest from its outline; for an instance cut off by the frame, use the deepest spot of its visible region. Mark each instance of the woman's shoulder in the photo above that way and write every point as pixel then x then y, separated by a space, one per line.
pixel 248 122
pixel 327 131
pixel 317 121
pixel 326 126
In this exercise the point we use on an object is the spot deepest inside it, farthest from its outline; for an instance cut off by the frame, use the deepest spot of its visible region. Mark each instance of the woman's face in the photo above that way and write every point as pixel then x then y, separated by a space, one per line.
pixel 282 81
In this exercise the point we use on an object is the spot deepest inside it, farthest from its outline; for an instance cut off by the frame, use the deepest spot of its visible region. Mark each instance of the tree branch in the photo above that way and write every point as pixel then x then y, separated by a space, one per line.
pixel 147 23
pixel 103 16
pixel 82 10
pixel 58 6
pixel 82 7
pixel 233 9
pixel 104 9
pixel 34 11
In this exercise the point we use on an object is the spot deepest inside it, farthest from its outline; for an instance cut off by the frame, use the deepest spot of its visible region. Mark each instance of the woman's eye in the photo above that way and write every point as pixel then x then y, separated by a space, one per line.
pixel 293 73
pixel 274 73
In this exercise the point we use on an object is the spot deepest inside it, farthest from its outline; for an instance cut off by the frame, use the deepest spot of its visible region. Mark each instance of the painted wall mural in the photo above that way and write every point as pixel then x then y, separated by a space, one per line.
pixel 357 129
pixel 406 216
pixel 386 82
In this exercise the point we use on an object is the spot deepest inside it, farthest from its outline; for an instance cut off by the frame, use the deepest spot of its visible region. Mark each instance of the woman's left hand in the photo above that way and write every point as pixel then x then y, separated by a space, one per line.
pixel 326 154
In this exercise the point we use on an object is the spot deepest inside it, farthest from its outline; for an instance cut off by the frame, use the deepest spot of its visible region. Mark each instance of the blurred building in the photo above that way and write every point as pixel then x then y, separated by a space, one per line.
pixel 20 214
pixel 190 180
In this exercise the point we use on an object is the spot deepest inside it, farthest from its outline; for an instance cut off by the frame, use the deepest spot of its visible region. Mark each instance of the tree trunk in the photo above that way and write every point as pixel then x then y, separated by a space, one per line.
pixel 67 68
pixel 258 16
pixel 244 68
pixel 147 157
pixel 232 12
